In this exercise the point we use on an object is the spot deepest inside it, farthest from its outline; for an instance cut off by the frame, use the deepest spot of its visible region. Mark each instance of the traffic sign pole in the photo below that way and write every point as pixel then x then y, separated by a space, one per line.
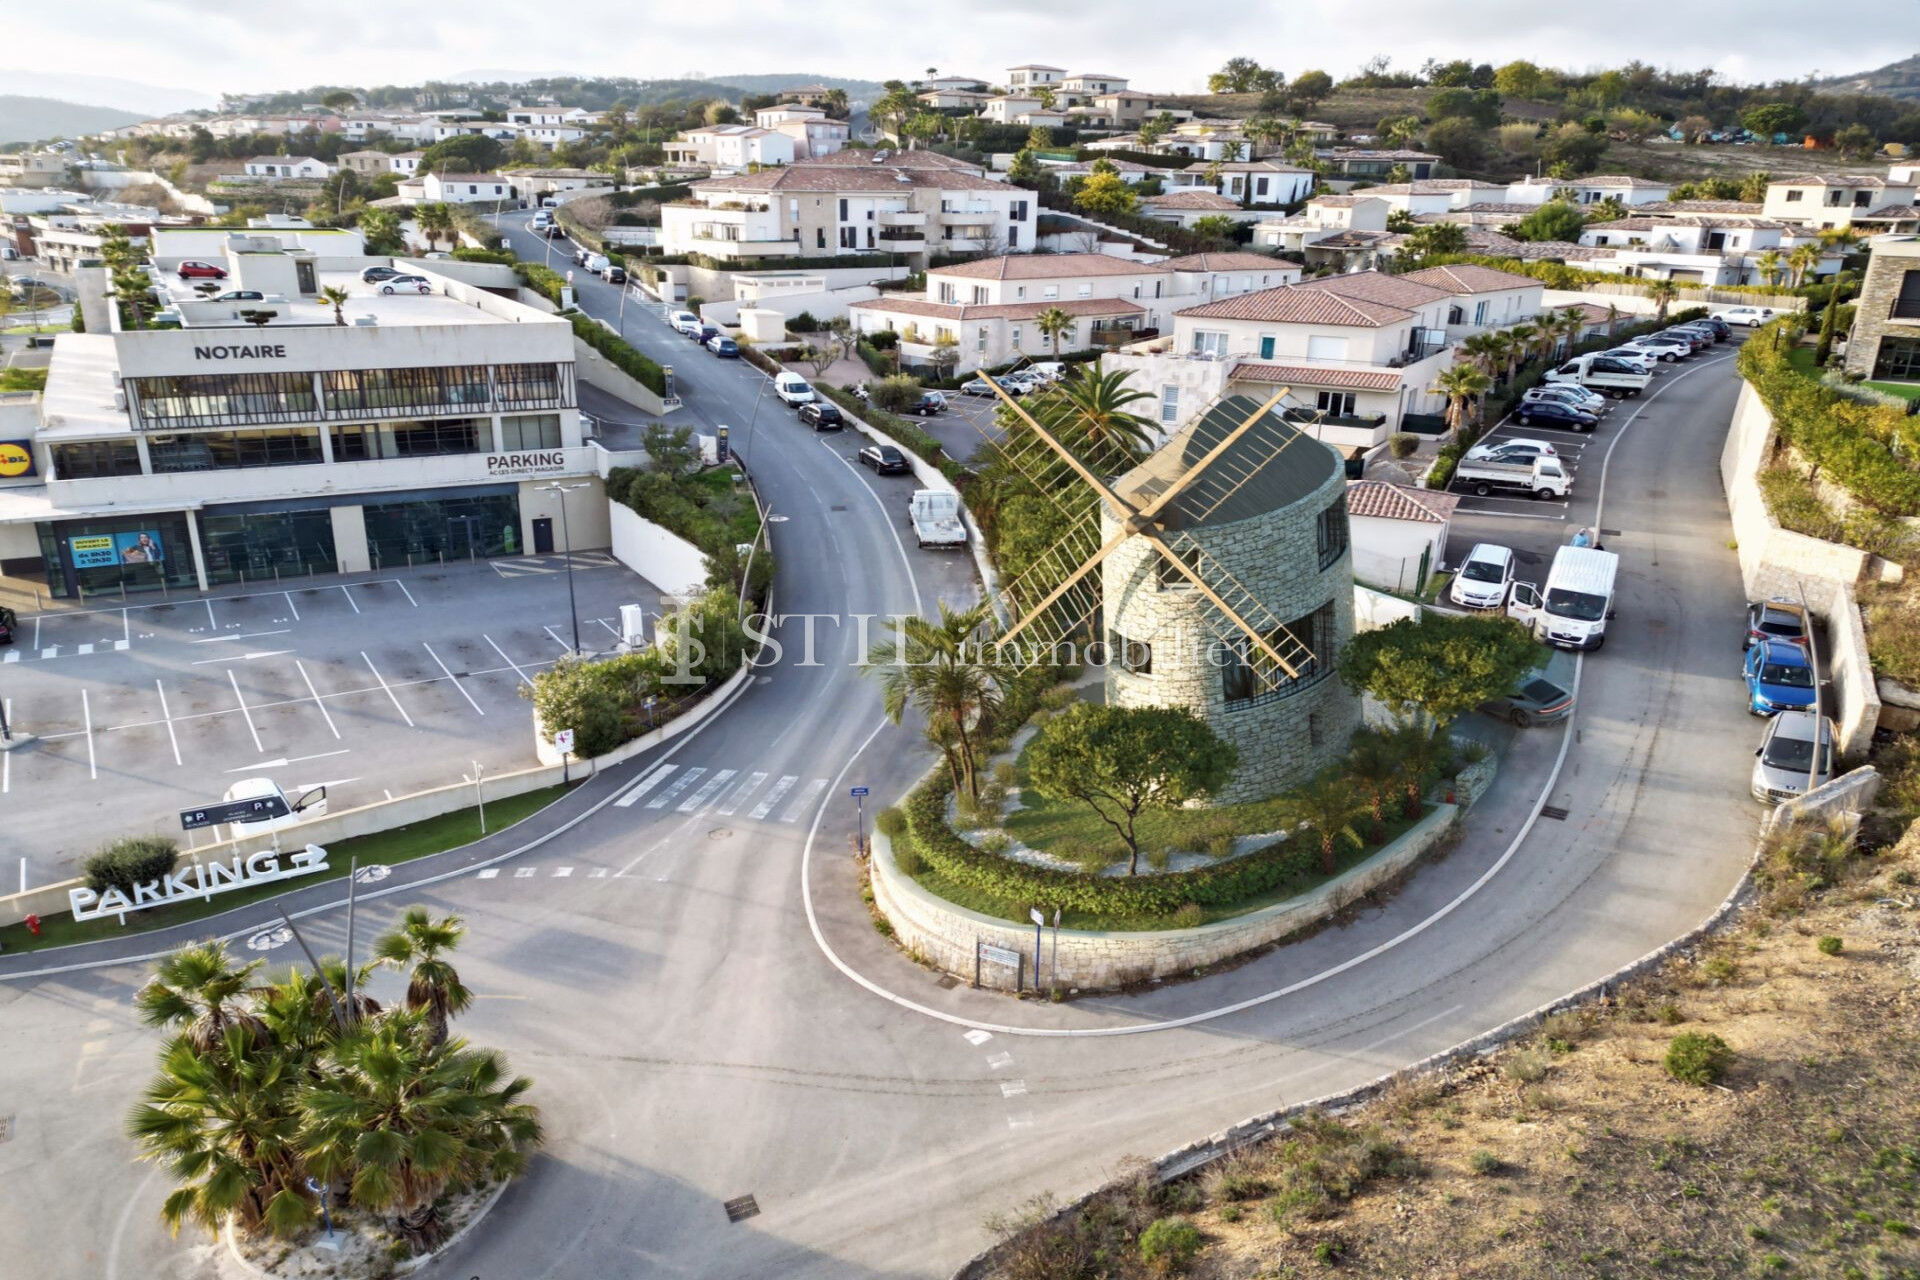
pixel 860 815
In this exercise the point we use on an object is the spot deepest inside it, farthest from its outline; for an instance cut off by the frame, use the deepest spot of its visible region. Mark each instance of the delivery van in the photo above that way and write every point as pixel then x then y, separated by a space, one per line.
pixel 1573 611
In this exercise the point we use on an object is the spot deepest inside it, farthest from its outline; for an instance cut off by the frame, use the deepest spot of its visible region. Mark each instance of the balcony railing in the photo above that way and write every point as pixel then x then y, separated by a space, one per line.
pixel 902 237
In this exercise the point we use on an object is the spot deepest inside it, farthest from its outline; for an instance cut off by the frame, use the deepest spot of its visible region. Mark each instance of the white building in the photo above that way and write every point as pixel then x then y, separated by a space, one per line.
pixel 1399 533
pixel 283 167
pixel 815 134
pixel 33 169
pixel 1830 202
pixel 1593 189
pixel 463 188
pixel 1324 216
pixel 731 146
pixel 1188 206
pixel 549 116
pixel 1032 75
pixel 1257 182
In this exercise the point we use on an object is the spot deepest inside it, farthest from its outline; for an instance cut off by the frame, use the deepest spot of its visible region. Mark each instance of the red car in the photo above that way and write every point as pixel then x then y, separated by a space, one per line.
pixel 206 270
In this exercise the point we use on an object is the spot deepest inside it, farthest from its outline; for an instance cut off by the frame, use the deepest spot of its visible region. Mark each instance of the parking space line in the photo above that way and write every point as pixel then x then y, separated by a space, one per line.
pixel 509 661
pixel 213 623
pixel 235 682
pixel 250 635
pixel 383 684
pixel 316 697
pixel 86 709
pixel 609 626
pixel 167 715
pixel 557 640
pixel 126 629
pixel 450 676
pixel 408 594
pixel 36 631
pixel 291 605
pixel 349 595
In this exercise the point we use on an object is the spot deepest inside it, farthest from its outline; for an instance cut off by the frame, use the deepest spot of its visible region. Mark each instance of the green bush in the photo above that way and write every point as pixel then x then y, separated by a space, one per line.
pixel 502 257
pixel 895 394
pixel 1698 1057
pixel 1402 444
pixel 907 858
pixel 803 323
pixel 890 822
pixel 1170 1243
pixel 1191 916
pixel 620 353
pixel 600 701
pixel 129 861
pixel 1830 946
pixel 878 362
pixel 1484 1163
pixel 542 280
pixel 1864 448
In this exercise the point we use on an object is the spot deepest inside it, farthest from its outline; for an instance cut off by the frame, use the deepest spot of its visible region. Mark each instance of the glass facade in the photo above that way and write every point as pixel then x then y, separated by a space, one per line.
pixel 530 431
pixel 89 459
pixel 241 399
pixel 366 441
pixel 244 546
pixel 223 450
pixel 360 393
pixel 1898 359
pixel 75 572
pixel 472 525
pixel 222 399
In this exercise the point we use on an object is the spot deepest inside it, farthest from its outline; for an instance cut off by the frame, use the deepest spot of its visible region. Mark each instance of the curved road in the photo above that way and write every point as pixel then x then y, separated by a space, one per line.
pixel 656 967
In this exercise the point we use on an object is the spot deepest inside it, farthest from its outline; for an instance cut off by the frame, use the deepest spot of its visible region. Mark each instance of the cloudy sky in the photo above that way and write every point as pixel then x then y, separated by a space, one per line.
pixel 212 46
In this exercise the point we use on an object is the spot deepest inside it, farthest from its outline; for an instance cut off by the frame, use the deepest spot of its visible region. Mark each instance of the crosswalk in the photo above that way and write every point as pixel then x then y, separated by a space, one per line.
pixel 696 789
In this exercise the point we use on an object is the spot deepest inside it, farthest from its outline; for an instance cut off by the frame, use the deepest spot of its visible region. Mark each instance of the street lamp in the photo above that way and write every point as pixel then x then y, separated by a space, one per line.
pixel 566 533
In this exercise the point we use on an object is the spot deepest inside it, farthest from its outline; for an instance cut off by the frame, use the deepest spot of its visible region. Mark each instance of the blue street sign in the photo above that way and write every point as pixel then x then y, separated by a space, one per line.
pixel 861 791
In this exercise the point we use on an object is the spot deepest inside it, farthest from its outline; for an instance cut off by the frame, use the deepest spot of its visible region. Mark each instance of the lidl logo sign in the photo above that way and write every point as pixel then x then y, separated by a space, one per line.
pixel 16 459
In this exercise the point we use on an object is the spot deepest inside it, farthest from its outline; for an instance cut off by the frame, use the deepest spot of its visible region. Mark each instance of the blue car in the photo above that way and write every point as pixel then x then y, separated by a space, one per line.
pixel 1551 413
pixel 721 345
pixel 1779 678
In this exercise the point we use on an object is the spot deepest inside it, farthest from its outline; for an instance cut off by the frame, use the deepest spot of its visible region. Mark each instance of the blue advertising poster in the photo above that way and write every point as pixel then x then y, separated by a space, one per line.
pixel 100 550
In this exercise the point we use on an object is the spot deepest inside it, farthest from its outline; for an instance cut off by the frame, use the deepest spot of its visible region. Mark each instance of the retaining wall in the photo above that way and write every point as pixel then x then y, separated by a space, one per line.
pixel 662 557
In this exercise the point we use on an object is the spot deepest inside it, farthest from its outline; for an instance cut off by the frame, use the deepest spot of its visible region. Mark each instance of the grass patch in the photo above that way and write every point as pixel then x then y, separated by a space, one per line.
pixel 23 379
pixel 1905 390
pixel 402 844
pixel 1891 611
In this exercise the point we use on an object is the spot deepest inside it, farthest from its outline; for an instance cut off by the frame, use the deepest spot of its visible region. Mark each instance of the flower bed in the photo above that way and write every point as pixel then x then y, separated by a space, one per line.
pixel 362 1244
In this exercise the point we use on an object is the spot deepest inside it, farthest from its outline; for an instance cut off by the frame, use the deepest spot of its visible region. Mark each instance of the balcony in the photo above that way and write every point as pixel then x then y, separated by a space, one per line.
pixel 901 218
pixel 953 211
pixel 901 239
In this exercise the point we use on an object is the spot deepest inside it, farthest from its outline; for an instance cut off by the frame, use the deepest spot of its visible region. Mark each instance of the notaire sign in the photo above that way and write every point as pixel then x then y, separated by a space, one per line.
pixel 251 351
pixel 200 880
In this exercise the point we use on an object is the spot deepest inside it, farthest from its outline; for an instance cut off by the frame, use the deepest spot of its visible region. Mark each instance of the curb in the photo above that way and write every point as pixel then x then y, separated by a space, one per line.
pixel 404 1268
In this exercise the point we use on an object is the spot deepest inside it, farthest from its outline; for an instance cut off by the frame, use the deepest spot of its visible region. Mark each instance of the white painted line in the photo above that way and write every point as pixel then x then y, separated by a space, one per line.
pixel 523 873
pixel 645 785
pixel 1000 1061
pixel 739 793
pixel 487 873
pixel 557 640
pixel 121 646
pixel 85 648
pixel 1012 1088
pixel 450 676
pixel 408 594
pixel 598 873
pixel 383 684
pixel 126 630
pixel 1022 1121
pixel 349 595
pixel 1507 515
pixel 291 605
pixel 316 698
pixel 283 761
pixel 562 871
pixel 235 682
pixel 674 788
pixel 36 631
pixel 54 652
pixel 509 661
pixel 798 808
pixel 699 799
pixel 245 657
pixel 248 636
pixel 86 709
pixel 23 875
pixel 609 626
pixel 780 788
pixel 977 1037
pixel 172 737
pixel 12 655
pixel 213 623
pixel 6 767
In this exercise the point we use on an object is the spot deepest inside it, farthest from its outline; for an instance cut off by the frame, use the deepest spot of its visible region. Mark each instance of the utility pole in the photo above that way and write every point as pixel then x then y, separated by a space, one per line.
pixel 566 533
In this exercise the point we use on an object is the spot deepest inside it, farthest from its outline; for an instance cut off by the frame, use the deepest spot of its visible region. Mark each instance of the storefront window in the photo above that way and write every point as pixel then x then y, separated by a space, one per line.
pixel 530 431
pixel 224 450
pixel 87 459
pixel 444 529
pixel 86 558
pixel 250 546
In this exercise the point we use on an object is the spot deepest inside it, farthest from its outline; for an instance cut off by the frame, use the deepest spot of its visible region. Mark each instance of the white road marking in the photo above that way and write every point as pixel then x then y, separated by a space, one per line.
pixel 54 652
pixel 251 635
pixel 316 698
pixel 509 661
pixel 1000 1061
pixel 408 594
pixel 85 648
pixel 36 631
pixel 235 682
pixel 245 657
pixel 563 871
pixel 675 787
pixel 213 623
pixel 780 788
pixel 739 793
pixel 523 873
pixel 126 629
pixel 798 808
pixel 86 709
pixel 383 684
pixel 598 873
pixel 557 640
pixel 12 655
pixel 121 646
pixel 699 799
pixel 645 785
pixel 1012 1088
pixel 977 1037
pixel 291 605
pixel 349 595
pixel 167 715
pixel 6 765
pixel 609 626
pixel 1022 1121
pixel 283 761
pixel 486 873
pixel 450 676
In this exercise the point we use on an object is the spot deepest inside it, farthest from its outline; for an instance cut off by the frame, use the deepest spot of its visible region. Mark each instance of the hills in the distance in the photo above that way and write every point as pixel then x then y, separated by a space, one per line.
pixel 1895 80
pixel 24 119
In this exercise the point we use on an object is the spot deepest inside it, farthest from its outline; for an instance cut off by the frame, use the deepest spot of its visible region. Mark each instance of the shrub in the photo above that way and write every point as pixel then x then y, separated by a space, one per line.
pixel 1402 444
pixel 129 861
pixel 620 353
pixel 1698 1057
pixel 1190 916
pixel 895 394
pixel 1484 1163
pixel 1830 946
pixel 803 323
pixel 890 822
pixel 907 857
pixel 1170 1244
pixel 997 843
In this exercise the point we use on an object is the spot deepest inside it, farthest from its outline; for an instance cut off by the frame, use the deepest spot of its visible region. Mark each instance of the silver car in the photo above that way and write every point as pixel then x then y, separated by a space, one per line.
pixel 1785 760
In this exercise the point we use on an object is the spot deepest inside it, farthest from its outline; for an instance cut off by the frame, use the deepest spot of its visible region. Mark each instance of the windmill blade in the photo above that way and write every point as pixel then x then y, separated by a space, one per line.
pixel 1274 654
pixel 1066 585
pixel 1213 455
pixel 1056 599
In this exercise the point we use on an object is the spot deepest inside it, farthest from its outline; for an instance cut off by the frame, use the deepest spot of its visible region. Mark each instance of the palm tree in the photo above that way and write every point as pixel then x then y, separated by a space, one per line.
pixel 1663 292
pixel 1373 762
pixel 1424 752
pixel 940 670
pixel 433 987
pixel 1462 385
pixel 1328 806
pixel 405 1117
pixel 1093 409
pixel 1802 260
pixel 1483 350
pixel 1052 324
pixel 1500 346
pixel 435 221
pixel 1529 340
pixel 223 1118
pixel 199 988
pixel 336 297
pixel 1770 264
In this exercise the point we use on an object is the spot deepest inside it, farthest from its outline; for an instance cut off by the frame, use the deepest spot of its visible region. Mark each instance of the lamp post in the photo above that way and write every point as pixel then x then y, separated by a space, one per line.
pixel 566 534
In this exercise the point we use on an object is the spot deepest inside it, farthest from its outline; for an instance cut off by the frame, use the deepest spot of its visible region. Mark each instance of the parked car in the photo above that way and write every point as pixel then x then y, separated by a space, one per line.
pixel 704 334
pixel 614 273
pixel 239 295
pixel 374 275
pixel 1697 340
pixel 1775 619
pixel 1568 393
pixel 1538 701
pixel 1555 413
pixel 553 232
pixel 793 389
pixel 1779 678
pixel 821 415
pixel 1517 449
pixel 724 347
pixel 1798 744
pixel 931 403
pixel 191 270
pixel 1047 370
pixel 683 321
pixel 1639 357
pixel 1752 317
pixel 8 622
pixel 1721 329
pixel 1666 350
pixel 980 386
pixel 885 460
pixel 406 284
pixel 1483 578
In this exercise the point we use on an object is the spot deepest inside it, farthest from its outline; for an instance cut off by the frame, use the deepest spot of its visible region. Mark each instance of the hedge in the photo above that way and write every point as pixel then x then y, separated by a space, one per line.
pixel 904 433
pixel 129 861
pixel 621 354
pixel 503 257
pixel 542 280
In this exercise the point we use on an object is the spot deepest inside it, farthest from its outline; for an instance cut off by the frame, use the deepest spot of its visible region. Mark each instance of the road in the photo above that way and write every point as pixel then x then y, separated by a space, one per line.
pixel 696 987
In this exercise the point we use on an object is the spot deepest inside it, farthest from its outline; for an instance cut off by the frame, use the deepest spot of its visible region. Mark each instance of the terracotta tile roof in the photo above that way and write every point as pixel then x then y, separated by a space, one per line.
pixel 1698 206
pixel 1468 277
pixel 1385 501
pixel 1191 199
pixel 999 311
pixel 1243 166
pixel 1297 304
pixel 1369 153
pixel 1047 266
pixel 1405 292
pixel 841 177
pixel 1318 376
pixel 1227 262
pixel 1592 312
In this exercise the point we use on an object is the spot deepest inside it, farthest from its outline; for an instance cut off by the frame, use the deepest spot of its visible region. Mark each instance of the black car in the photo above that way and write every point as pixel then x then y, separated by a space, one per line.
pixel 615 275
pixel 821 416
pixel 374 275
pixel 884 459
pixel 704 334
pixel 1721 329
pixel 1551 413
pixel 8 622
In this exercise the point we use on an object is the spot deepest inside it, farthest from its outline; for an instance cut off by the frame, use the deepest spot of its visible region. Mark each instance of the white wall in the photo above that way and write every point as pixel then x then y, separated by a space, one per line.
pixel 1386 553
pixel 668 561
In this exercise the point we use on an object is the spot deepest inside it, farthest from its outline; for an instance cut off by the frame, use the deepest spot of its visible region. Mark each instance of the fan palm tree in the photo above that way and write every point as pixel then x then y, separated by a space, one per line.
pixel 202 992
pixel 940 669
pixel 1329 806
pixel 1529 341
pixel 1424 752
pixel 1462 385
pixel 435 221
pixel 336 297
pixel 1093 409
pixel 1481 349
pixel 223 1118
pixel 421 944
pixel 1500 346
pixel 404 1118
pixel 1770 264
pixel 1373 762
pixel 1663 292
pixel 1802 260
pixel 1053 323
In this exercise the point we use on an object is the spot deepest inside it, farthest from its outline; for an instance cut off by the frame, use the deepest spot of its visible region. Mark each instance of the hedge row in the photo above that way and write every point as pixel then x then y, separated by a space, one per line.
pixel 1858 446
pixel 619 353
pixel 542 280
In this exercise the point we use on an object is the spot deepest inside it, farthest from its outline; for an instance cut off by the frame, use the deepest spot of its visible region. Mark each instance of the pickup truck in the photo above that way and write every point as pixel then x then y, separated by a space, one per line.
pixel 1599 372
pixel 1543 477
pixel 935 517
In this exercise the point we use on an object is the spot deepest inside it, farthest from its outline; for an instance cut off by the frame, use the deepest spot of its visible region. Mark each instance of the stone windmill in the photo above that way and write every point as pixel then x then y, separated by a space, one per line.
pixel 1217 573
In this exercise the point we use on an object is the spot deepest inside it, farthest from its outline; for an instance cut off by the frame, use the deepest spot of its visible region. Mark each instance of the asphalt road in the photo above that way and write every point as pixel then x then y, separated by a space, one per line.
pixel 695 985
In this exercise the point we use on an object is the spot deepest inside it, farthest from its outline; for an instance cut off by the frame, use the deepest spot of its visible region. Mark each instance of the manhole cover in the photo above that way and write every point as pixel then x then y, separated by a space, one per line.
pixel 947 981
pixel 741 1208
pixel 720 833
pixel 1549 811
pixel 370 875
pixel 268 939
pixel 838 506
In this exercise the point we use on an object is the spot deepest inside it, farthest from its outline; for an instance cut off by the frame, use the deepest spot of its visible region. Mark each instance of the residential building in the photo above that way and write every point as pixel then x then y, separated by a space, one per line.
pixel 955 82
pixel 1032 75
pixel 1124 108
pixel 1204 140
pixel 367 164
pixel 1482 298
pixel 956 98
pixel 1187 206
pixel 815 134
pixel 462 188
pixel 1374 164
pixel 1129 171
pixel 1084 86
pixel 808 95
pixel 1885 345
pixel 531 184
pixel 1399 533
pixel 1432 195
pixel 223 452
pixel 1255 182
pixel 406 163
pixel 1007 108
pixel 1207 277
pixel 1593 189
pixel 284 167
pixel 1701 248
pixel 1830 202
pixel 1324 216
pixel 32 169
pixel 731 146
pixel 545 115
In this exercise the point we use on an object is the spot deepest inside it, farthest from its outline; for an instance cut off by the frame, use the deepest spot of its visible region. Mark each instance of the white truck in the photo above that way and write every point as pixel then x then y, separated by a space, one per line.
pixel 935 517
pixel 1601 372
pixel 1543 477
pixel 1573 611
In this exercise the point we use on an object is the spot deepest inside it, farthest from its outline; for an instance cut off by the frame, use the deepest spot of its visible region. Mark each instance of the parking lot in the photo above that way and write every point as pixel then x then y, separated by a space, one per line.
pixel 967 425
pixel 372 687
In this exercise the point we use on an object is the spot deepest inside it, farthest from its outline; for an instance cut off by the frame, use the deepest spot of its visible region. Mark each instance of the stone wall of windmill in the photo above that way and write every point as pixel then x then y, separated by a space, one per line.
pixel 1284 736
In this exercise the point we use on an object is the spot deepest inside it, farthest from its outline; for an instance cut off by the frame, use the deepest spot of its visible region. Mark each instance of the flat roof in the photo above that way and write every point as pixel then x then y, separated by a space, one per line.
pixel 388 310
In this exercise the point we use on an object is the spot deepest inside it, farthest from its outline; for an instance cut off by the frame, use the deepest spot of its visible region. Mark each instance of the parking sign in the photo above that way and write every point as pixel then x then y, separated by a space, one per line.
pixel 563 739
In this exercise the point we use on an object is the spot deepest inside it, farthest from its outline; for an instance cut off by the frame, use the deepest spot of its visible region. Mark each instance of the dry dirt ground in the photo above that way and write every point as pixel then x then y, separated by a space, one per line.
pixel 1574 1153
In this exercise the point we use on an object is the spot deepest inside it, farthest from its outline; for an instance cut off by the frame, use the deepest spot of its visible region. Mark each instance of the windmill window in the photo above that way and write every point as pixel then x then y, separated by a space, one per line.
pixel 1169 396
pixel 1132 656
pixel 1241 688
pixel 1330 531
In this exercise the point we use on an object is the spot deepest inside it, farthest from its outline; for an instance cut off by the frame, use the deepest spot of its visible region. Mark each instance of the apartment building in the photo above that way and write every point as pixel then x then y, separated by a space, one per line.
pixel 1830 202
pixel 1373 163
pixel 1254 182
pixel 814 133
pixel 33 169
pixel 730 146
pixel 286 167
pixel 1885 345
pixel 1032 75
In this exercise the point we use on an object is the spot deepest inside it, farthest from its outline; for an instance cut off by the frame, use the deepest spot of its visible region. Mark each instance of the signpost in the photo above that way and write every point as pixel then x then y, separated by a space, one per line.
pixel 1039 919
pixel 1006 957
pixel 563 742
pixel 251 809
pixel 860 795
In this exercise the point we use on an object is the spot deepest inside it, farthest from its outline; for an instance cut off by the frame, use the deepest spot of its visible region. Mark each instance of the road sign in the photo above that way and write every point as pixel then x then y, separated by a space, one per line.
pixel 860 791
pixel 1000 955
pixel 563 740
pixel 252 809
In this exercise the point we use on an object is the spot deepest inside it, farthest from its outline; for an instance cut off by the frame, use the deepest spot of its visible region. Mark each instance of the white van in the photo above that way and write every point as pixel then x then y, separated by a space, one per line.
pixel 1573 612
pixel 793 389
